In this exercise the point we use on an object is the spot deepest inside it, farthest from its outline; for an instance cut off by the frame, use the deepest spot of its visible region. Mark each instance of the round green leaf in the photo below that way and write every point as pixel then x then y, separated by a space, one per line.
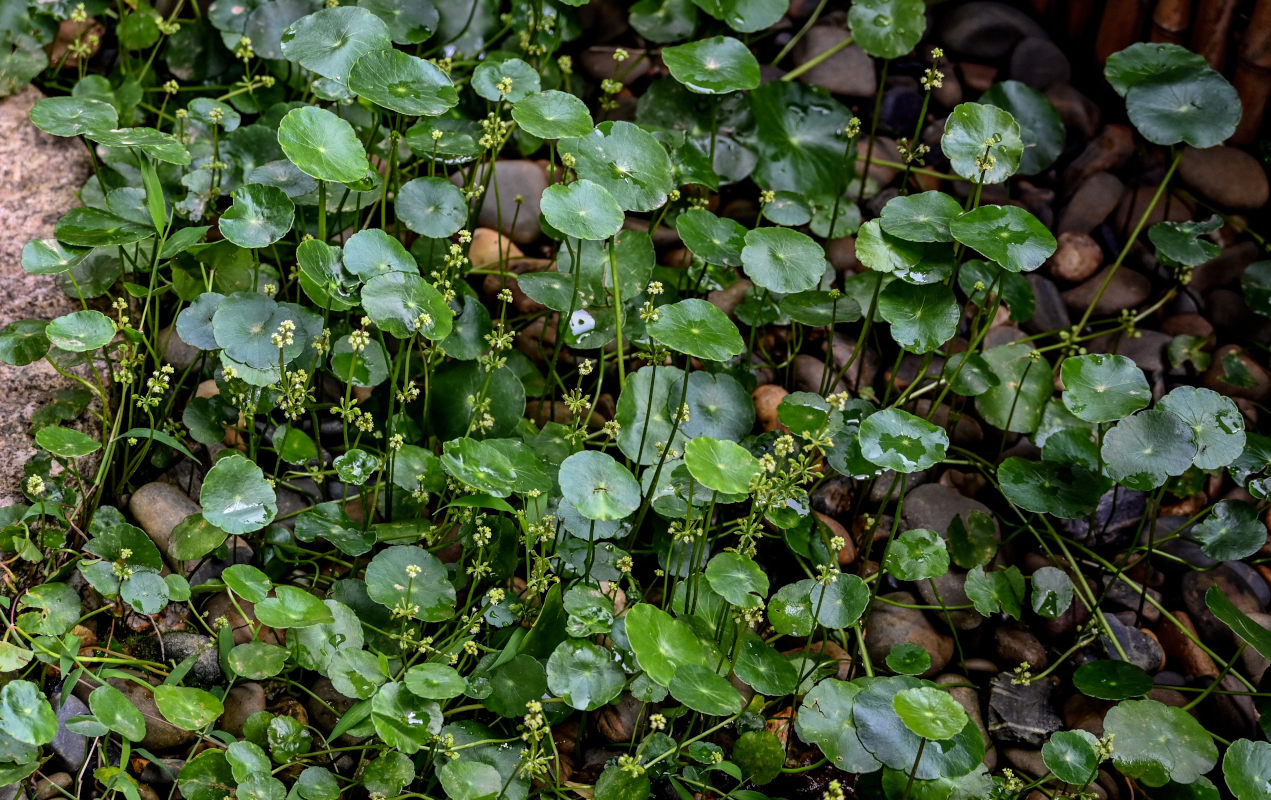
pixel 760 755
pixel 186 707
pixel 491 77
pixel 705 691
pixel 1142 451
pixel 374 252
pixel 259 216
pixel 236 497
pixel 1112 680
pixel 50 257
pixel 627 161
pixel 553 115
pixel 292 607
pixel 598 486
pixel 81 331
pixel 329 42
pixel 1040 126
pixel 114 710
pixel 930 712
pixel 782 260
pixel 1231 532
pixel 1214 419
pixel 1052 592
pixel 245 323
pixel 151 142
pixel 434 681
pixel 403 83
pixel 1049 487
pixel 799 139
pixel 763 668
pixel 584 674
pixel 72 116
pixel 1247 768
pixel 321 144
pixel 432 207
pixel 663 644
pixel 908 658
pixel 1157 743
pixel 897 440
pixel 411 581
pixel 922 316
pixel 889 739
pixel 1142 61
pixel 1197 107
pixel 23 342
pixel 841 602
pixel 403 720
pixel 976 130
pixel 737 579
pixel 718 65
pixel 25 714
pixel 825 719
pixel 916 555
pixel 1181 242
pixel 715 240
pixel 1072 756
pixel 697 328
pixel 1103 388
pixel 1008 235
pixel 404 304
pixel 582 209
pixel 923 217
pixel 66 442
pixel 470 780
pixel 887 28
pixel 1024 385
pixel 721 466
pixel 257 660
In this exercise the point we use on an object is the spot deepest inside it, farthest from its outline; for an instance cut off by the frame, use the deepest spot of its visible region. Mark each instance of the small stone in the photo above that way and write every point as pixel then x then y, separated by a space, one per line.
pixel 71 748
pixel 175 351
pixel 180 645
pixel 900 108
pixel 158 508
pixel 1040 63
pixel 978 77
pixel 1126 290
pixel 1225 268
pixel 849 71
pixel 728 299
pixel 326 705
pixel 1096 198
pixel 1076 258
pixel 968 699
pixel 53 785
pixel 1078 112
pixel 1183 652
pixel 888 625
pixel 160 734
pixel 618 722
pixel 1187 324
pixel 1135 204
pixel 1017 645
pixel 1029 762
pixel 1142 649
pixel 491 247
pixel 986 30
pixel 241 702
pixel 1049 311
pixel 933 506
pixel 1234 372
pixel 513 178
pixel 1116 520
pixel 1225 176
pixel 1109 151
pixel 950 590
pixel 767 398
pixel 863 369
pixel 1232 585
pixel 1021 713
pixel 809 371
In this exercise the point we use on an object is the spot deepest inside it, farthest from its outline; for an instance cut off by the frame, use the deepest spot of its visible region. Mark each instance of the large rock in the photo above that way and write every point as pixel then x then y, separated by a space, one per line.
pixel 40 174
pixel 1040 63
pixel 1021 712
pixel 1225 176
pixel 933 506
